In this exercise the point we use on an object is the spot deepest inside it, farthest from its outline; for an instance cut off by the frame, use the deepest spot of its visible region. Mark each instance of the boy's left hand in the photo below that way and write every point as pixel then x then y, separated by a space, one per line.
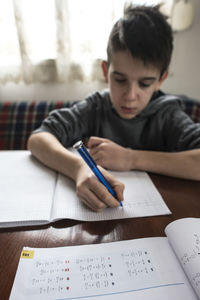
pixel 109 154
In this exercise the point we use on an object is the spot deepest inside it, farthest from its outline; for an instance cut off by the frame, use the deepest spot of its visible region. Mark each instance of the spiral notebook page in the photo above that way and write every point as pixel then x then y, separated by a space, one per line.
pixel 141 199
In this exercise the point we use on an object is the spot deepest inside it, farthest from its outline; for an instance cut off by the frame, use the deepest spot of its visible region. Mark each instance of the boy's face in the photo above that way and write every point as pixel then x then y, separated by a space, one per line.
pixel 131 83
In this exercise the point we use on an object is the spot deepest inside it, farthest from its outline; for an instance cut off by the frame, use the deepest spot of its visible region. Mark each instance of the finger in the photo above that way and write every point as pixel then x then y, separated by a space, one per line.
pixel 94 151
pixel 91 206
pixel 104 195
pixel 100 161
pixel 94 141
pixel 91 200
pixel 117 185
pixel 119 189
pixel 97 156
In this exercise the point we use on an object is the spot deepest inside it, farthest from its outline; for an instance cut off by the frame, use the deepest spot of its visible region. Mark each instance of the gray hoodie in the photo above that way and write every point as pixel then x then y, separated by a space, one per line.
pixel 161 126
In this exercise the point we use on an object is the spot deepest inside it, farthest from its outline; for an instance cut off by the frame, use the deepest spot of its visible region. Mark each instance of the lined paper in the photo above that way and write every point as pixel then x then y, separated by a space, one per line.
pixel 141 199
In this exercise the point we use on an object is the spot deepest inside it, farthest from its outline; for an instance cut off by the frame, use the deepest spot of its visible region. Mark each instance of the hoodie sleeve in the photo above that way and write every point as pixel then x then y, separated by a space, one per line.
pixel 180 132
pixel 81 120
pixel 69 125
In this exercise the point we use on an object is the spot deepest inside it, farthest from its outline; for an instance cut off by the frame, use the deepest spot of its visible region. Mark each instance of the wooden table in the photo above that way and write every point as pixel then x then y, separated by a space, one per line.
pixel 181 196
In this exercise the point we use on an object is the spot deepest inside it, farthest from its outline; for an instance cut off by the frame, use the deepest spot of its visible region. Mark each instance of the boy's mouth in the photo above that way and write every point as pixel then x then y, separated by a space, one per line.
pixel 128 110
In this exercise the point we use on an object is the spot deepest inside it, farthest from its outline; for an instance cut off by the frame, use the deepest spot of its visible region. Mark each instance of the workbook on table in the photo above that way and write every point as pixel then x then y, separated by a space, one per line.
pixel 32 194
pixel 149 268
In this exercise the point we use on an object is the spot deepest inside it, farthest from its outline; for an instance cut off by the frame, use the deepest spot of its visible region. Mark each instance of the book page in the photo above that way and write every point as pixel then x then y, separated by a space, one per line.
pixel 142 269
pixel 184 236
pixel 26 189
pixel 141 199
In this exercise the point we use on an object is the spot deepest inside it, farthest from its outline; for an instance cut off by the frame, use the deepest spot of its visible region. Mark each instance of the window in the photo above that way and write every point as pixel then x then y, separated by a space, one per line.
pixel 44 40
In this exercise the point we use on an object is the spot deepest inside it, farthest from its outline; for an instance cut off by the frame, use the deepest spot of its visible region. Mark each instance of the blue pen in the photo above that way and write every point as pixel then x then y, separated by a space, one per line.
pixel 91 163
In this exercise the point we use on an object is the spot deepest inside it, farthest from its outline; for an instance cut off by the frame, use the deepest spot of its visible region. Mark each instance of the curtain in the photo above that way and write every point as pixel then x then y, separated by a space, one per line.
pixel 54 40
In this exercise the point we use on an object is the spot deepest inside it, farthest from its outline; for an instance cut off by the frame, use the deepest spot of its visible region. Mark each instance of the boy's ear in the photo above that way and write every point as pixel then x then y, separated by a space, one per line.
pixel 104 66
pixel 162 78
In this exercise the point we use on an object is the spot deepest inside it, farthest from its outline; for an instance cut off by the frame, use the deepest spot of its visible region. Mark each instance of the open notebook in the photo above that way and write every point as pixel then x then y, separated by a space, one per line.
pixel 142 269
pixel 33 194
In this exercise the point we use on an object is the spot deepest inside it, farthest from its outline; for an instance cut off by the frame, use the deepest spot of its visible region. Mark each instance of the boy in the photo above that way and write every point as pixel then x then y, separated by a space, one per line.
pixel 131 126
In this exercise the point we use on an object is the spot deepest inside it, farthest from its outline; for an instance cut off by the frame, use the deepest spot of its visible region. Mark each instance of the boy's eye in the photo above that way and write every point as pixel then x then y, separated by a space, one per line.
pixel 144 85
pixel 120 80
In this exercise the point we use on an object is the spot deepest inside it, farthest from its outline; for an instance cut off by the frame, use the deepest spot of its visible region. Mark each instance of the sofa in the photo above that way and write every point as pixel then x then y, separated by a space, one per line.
pixel 19 119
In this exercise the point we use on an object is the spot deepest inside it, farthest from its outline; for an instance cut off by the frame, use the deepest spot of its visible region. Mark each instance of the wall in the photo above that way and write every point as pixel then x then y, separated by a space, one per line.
pixel 183 77
pixel 185 66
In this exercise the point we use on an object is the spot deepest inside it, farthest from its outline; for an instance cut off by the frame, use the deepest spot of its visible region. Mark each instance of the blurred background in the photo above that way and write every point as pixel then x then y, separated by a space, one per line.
pixel 51 49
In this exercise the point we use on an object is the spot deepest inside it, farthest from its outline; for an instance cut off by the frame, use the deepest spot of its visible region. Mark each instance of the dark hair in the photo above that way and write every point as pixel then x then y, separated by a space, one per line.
pixel 144 32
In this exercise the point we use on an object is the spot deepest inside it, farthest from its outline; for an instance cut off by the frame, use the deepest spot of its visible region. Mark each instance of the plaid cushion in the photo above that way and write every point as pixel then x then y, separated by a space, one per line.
pixel 19 119
pixel 192 108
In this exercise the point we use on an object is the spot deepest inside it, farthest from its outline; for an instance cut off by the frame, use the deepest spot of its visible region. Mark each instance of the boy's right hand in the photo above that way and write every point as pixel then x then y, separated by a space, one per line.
pixel 93 193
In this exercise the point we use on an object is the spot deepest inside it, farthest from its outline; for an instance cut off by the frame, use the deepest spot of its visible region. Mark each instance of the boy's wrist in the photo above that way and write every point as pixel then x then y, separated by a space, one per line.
pixel 134 159
pixel 78 163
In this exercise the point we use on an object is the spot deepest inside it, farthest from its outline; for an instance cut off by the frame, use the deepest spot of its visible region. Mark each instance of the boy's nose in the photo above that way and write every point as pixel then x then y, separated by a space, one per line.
pixel 132 92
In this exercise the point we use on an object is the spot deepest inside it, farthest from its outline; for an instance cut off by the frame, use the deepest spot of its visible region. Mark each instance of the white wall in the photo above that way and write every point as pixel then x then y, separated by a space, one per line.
pixel 183 78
